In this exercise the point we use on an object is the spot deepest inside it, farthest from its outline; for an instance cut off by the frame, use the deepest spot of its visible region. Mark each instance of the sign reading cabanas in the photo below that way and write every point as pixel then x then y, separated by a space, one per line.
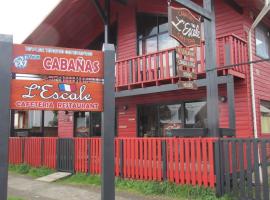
pixel 41 60
pixel 54 95
pixel 184 27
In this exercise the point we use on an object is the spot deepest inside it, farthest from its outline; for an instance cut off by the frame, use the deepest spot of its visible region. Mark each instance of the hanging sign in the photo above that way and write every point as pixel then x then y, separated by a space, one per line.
pixel 184 27
pixel 43 60
pixel 187 85
pixel 53 95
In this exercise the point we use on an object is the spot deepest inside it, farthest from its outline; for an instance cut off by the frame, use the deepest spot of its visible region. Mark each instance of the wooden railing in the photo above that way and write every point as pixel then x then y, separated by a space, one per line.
pixel 160 67
pixel 179 160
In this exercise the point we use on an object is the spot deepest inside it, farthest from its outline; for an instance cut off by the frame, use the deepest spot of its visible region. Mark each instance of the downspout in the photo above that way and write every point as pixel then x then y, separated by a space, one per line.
pixel 263 12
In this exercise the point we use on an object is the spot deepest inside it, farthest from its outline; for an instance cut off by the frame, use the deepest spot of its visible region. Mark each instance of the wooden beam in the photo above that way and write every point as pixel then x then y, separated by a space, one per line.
pixel 196 8
pixel 100 10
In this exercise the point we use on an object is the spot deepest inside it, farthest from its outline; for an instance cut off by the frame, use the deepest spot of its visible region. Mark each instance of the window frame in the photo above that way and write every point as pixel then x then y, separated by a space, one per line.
pixel 151 36
pixel 182 102
pixel 266 134
pixel 261 25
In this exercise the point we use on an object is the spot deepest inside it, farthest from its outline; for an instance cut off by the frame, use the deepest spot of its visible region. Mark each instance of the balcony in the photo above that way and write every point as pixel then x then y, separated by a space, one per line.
pixel 160 67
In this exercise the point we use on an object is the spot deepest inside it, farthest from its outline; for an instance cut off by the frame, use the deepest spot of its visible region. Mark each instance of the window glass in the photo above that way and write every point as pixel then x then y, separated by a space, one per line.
pixel 170 118
pixel 82 121
pixel 162 24
pixel 96 124
pixel 148 121
pixel 151 45
pixel 50 118
pixel 195 114
pixel 265 117
pixel 165 41
pixel 153 34
pixel 262 41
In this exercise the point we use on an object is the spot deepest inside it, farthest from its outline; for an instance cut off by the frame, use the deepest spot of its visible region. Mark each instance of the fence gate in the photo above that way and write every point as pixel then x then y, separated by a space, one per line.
pixel 244 168
pixel 65 155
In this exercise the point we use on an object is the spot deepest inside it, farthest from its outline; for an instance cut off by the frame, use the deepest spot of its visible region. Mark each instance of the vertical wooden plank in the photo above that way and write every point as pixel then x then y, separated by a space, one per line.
pixel 145 167
pixel 167 65
pixel 256 170
pixel 144 68
pixel 265 171
pixel 182 161
pixel 187 151
pixel 150 153
pixel 176 160
pixel 241 169
pixel 161 66
pixel 199 162
pixel 154 145
pixel 193 168
pixel 132 163
pixel 234 166
pixel 137 158
pixel 249 170
pixel 205 163
pixel 159 164
pixel 171 162
pixel 141 159
pixel 227 167
pixel 211 162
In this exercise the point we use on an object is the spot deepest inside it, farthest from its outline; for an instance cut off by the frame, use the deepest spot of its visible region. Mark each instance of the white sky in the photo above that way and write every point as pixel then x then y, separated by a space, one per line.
pixel 20 17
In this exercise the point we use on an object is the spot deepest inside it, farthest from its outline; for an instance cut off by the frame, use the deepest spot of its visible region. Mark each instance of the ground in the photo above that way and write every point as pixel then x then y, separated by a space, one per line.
pixel 29 189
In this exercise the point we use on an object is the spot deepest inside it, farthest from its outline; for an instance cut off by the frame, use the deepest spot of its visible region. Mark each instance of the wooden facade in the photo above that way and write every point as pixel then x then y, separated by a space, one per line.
pixel 78 25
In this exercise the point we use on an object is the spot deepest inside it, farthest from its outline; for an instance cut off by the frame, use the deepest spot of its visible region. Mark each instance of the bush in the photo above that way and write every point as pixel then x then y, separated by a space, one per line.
pixel 26 169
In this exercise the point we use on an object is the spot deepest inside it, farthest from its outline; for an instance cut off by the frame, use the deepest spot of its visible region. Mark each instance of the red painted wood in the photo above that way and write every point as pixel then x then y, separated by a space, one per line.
pixel 49 152
pixel 199 162
pixel 159 159
pixel 176 160
pixel 211 162
pixel 205 163
pixel 193 163
pixel 182 161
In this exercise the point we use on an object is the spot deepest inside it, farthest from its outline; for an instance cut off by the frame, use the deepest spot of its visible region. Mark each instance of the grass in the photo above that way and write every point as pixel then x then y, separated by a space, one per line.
pixel 165 189
pixel 14 198
pixel 27 170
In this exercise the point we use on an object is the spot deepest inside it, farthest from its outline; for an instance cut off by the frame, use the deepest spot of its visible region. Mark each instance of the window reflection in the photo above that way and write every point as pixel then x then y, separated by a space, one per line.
pixel 195 114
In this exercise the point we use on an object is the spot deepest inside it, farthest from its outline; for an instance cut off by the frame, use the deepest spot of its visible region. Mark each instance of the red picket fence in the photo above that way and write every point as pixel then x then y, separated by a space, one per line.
pixel 179 160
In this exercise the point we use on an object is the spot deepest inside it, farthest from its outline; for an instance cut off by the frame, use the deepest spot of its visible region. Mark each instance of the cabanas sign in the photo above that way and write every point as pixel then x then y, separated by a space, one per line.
pixel 41 60
pixel 184 27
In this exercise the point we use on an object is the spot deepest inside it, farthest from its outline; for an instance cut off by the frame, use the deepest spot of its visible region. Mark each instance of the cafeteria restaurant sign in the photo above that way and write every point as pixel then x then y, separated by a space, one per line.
pixel 184 26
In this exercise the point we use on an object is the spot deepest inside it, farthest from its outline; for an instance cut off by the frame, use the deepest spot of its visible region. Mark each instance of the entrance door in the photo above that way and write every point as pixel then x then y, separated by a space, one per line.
pixel 65 155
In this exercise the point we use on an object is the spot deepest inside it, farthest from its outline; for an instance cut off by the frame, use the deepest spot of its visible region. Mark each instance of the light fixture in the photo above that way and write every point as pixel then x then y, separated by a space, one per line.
pixel 222 99
pixel 125 107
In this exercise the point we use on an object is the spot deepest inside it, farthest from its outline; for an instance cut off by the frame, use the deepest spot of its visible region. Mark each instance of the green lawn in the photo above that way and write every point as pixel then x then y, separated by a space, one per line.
pixel 14 198
pixel 164 189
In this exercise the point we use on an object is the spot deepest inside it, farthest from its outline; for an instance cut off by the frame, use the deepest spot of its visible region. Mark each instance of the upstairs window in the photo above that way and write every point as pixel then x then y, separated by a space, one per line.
pixel 262 35
pixel 152 34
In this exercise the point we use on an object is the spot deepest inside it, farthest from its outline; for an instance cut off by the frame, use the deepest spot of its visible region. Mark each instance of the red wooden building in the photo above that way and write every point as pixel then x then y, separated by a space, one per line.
pixel 147 98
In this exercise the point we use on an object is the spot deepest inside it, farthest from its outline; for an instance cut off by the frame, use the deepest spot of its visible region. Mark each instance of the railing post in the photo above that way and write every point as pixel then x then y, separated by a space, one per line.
pixel 121 148
pixel 164 160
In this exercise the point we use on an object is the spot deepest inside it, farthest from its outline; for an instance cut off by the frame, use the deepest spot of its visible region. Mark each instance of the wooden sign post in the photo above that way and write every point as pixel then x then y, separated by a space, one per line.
pixel 68 86
pixel 5 76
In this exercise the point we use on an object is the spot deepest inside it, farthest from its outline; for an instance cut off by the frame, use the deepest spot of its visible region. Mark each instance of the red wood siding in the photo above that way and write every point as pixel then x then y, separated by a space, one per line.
pixel 126 41
pixel 65 124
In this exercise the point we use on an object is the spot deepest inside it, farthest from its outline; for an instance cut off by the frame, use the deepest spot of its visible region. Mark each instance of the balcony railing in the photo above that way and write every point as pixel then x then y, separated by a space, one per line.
pixel 160 67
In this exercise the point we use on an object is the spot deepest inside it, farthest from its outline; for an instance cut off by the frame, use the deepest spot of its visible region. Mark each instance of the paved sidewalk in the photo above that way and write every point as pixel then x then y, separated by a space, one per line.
pixel 29 189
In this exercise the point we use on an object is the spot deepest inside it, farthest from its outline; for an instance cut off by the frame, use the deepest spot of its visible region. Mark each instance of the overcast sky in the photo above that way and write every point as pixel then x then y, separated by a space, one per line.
pixel 21 17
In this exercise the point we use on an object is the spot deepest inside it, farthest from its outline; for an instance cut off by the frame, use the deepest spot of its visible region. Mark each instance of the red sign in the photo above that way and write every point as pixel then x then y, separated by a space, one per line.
pixel 42 60
pixel 52 95
pixel 184 27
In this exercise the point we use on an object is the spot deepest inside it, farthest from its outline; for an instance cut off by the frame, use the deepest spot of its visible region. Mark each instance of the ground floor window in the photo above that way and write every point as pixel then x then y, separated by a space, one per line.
pixel 35 123
pixel 87 124
pixel 158 120
pixel 265 117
